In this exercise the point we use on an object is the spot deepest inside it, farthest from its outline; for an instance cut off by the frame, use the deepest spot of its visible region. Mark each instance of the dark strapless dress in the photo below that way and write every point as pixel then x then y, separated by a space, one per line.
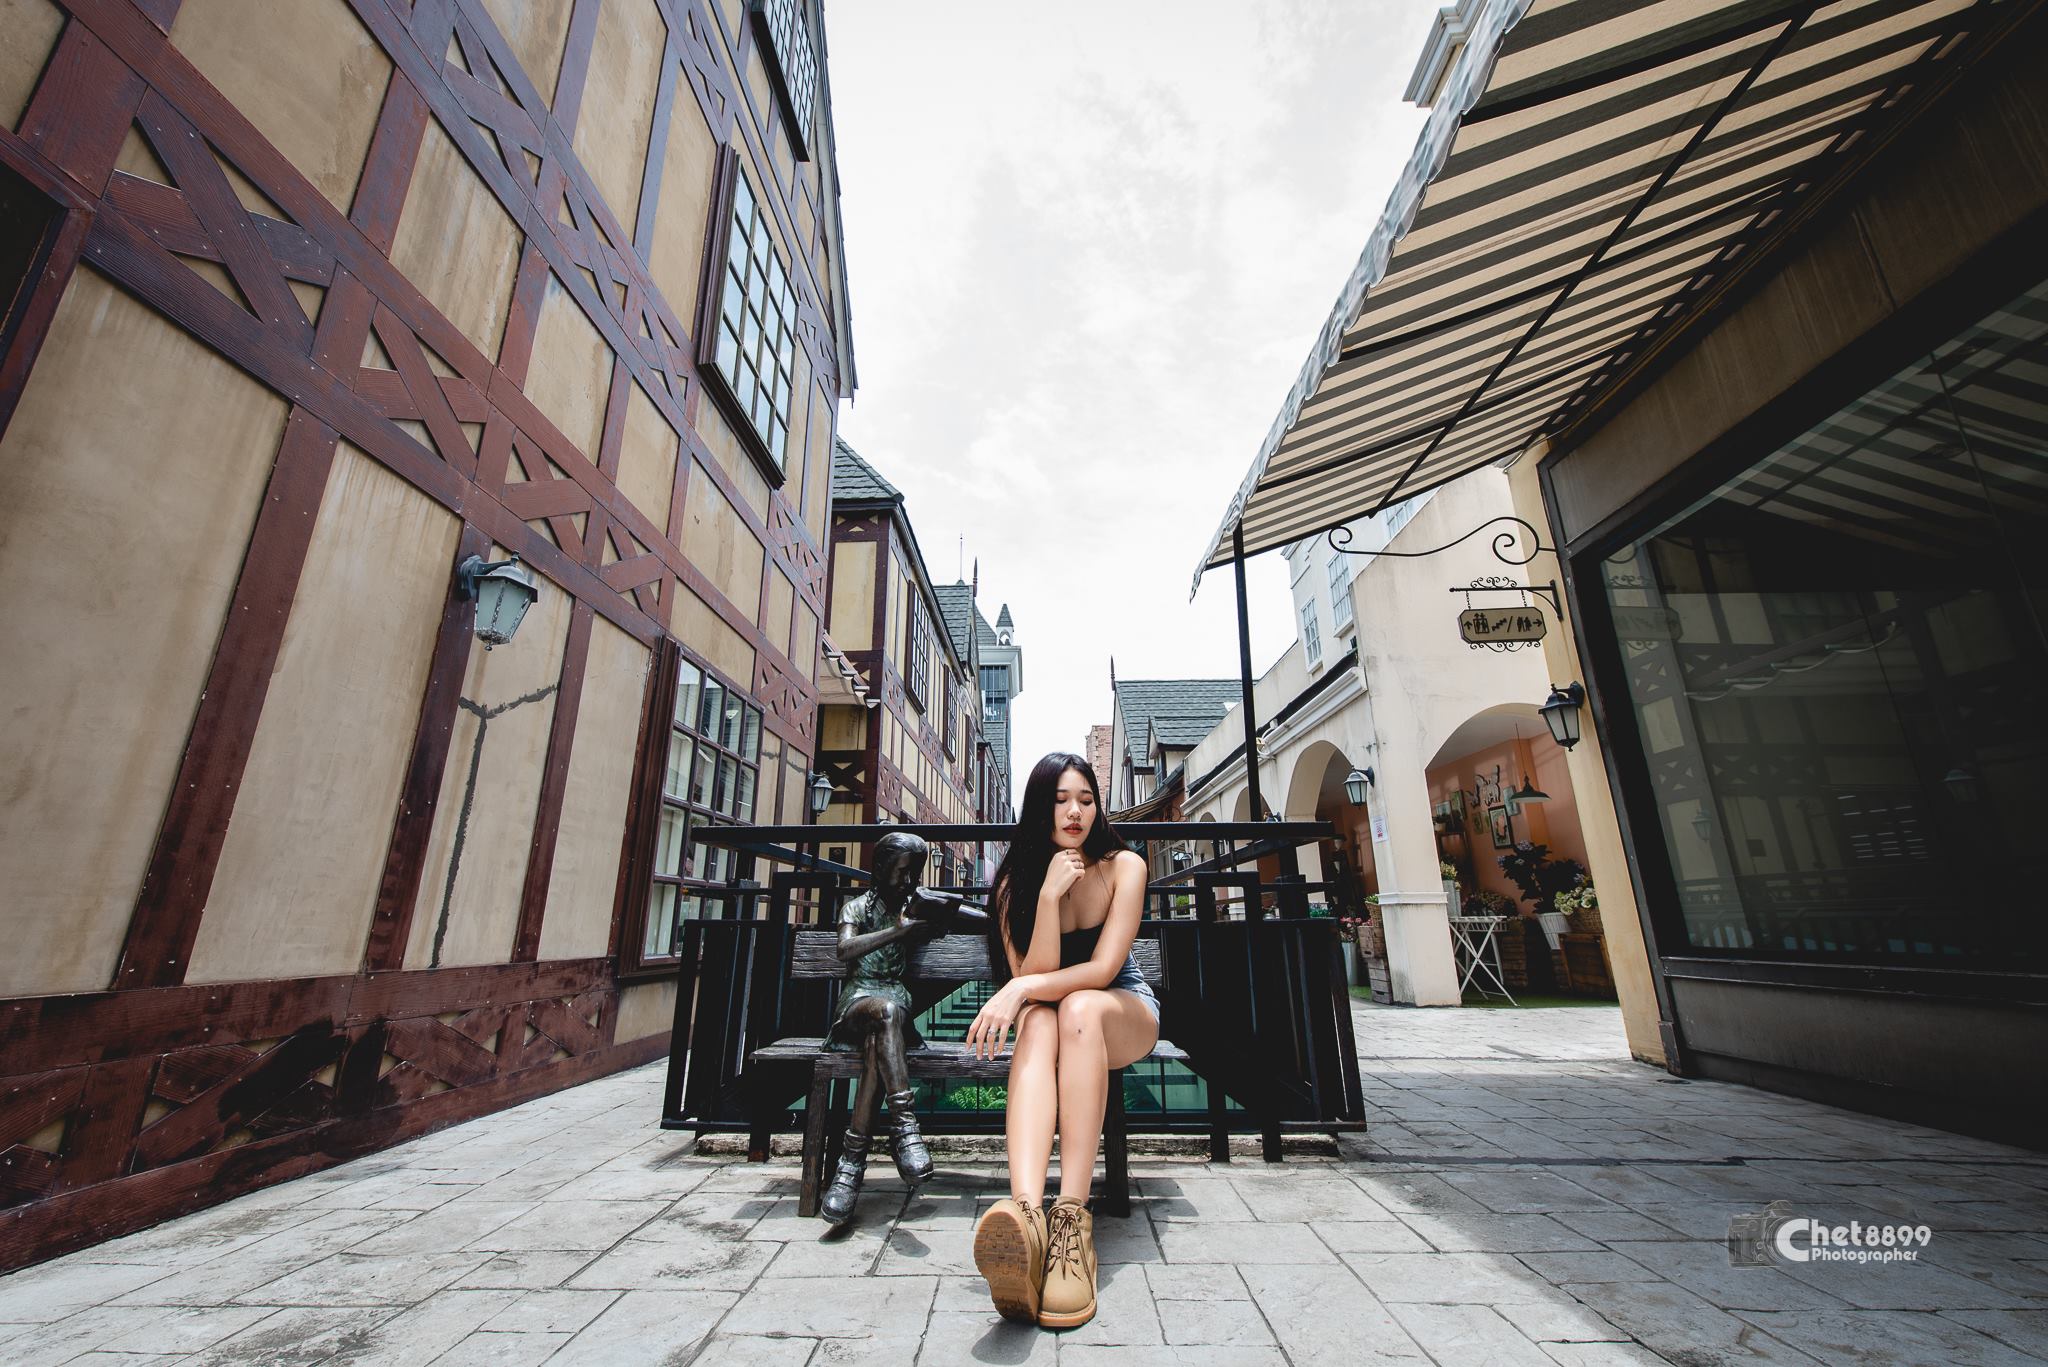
pixel 1078 946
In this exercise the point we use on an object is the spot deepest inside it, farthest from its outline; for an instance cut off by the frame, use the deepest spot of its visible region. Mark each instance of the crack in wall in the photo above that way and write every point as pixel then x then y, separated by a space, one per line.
pixel 484 718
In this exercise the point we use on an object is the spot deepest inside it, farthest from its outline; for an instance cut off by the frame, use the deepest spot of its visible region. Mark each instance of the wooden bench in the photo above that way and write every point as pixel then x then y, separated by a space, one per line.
pixel 950 958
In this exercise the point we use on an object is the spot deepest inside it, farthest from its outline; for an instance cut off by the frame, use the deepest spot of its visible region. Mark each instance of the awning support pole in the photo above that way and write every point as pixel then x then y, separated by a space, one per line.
pixel 1244 672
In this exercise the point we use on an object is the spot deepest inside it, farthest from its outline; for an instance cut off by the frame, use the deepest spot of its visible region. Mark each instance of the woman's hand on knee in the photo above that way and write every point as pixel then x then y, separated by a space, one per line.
pixel 989 1036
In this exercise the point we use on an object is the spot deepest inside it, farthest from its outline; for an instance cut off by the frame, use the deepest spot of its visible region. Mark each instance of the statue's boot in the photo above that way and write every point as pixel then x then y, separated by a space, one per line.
pixel 913 1159
pixel 836 1206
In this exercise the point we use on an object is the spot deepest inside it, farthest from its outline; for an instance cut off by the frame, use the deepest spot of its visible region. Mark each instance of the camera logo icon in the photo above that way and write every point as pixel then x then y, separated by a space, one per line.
pixel 1752 1237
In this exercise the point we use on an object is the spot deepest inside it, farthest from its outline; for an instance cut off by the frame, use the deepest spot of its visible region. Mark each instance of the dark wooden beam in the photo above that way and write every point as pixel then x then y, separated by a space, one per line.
pixel 547 822
pixel 165 922
pixel 413 828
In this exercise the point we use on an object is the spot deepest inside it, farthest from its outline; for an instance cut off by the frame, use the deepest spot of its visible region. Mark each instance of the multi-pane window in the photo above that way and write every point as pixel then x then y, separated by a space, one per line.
pixel 754 354
pixel 788 33
pixel 1311 634
pixel 1340 591
pixel 1399 515
pixel 995 681
pixel 714 754
pixel 947 709
pixel 917 650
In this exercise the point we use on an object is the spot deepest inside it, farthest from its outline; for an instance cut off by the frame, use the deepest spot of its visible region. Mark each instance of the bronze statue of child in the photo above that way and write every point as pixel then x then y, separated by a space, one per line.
pixel 876 931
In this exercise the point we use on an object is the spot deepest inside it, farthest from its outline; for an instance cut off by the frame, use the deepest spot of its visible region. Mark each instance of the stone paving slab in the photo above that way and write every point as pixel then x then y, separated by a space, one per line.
pixel 1546 1202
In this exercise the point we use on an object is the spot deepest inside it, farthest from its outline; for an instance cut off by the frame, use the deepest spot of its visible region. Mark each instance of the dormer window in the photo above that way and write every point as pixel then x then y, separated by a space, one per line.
pixel 783 29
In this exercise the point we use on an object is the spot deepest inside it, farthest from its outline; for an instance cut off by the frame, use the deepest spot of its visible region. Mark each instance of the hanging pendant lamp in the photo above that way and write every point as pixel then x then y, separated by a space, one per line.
pixel 1528 792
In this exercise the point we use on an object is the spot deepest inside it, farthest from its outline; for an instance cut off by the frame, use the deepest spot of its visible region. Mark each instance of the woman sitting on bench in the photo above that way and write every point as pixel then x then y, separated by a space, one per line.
pixel 1066 902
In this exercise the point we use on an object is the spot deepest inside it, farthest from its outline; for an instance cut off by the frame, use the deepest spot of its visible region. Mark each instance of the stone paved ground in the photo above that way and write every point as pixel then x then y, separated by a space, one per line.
pixel 1527 1195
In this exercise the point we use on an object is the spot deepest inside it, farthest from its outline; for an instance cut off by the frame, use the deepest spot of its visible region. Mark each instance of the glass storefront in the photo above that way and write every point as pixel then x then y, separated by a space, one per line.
pixel 1835 665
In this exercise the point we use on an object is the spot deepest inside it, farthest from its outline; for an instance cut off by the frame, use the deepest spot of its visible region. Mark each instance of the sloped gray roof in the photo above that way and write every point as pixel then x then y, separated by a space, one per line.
pixel 1180 731
pixel 956 605
pixel 1185 700
pixel 1003 618
pixel 855 481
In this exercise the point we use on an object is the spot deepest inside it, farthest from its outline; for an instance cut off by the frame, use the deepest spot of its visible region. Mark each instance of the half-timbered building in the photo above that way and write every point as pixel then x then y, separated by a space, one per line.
pixel 305 305
pixel 910 746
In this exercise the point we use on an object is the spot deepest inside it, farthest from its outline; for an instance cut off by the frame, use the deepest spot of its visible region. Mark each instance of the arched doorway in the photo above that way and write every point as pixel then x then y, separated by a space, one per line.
pixel 1315 792
pixel 1507 822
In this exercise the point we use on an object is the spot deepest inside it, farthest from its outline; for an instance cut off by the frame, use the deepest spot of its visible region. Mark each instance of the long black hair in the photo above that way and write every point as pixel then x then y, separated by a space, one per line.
pixel 1013 896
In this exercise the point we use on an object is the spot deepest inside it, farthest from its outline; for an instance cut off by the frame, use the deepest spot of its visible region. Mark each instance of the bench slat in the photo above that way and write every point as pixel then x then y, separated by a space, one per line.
pixel 934 1061
pixel 951 958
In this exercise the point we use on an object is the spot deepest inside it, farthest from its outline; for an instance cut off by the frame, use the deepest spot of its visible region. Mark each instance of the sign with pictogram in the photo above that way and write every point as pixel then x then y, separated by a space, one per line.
pixel 1502 626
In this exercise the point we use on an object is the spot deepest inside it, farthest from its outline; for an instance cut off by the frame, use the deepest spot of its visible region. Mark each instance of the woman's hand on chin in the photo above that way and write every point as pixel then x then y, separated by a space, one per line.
pixel 989 1036
pixel 1064 871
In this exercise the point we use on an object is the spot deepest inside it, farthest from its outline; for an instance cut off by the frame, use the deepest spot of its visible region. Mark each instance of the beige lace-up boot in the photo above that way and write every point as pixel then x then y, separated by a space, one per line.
pixel 1068 1300
pixel 1009 1251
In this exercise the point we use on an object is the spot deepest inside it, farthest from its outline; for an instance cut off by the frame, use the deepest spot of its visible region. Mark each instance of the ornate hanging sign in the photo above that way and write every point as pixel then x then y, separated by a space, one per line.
pixel 1502 627
pixel 1508 626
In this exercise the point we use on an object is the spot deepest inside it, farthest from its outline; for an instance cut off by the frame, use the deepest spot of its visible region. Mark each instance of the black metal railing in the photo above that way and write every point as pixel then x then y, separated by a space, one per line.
pixel 1254 990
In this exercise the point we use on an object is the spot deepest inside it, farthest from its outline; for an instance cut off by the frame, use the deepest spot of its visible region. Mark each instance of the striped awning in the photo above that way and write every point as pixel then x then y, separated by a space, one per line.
pixel 1590 171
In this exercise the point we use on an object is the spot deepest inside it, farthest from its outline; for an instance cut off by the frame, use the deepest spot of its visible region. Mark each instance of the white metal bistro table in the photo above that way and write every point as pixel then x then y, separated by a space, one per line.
pixel 1475 944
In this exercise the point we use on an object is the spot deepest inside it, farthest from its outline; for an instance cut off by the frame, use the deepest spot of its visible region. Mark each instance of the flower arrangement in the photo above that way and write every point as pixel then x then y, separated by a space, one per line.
pixel 1363 930
pixel 1582 904
pixel 1448 870
pixel 1490 903
pixel 1580 898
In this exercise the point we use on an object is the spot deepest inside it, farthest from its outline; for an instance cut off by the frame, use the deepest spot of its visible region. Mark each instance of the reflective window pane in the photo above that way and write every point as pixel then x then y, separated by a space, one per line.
pixel 680 751
pixel 689 683
pixel 705 770
pixel 714 709
pixel 1833 664
pixel 728 788
pixel 743 804
pixel 669 840
pixel 661 921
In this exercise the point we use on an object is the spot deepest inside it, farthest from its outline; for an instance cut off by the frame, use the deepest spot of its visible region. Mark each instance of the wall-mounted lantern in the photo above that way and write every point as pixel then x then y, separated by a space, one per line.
pixel 502 590
pixel 1181 859
pixel 1561 713
pixel 1356 784
pixel 1961 784
pixel 821 794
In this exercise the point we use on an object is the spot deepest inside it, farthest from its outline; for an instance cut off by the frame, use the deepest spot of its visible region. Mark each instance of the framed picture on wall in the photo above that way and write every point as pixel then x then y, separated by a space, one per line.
pixel 1501 823
pixel 1458 806
pixel 1488 792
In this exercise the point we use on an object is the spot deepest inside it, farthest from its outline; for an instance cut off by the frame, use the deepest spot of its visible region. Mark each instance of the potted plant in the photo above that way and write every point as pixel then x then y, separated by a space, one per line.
pixel 1364 929
pixel 1541 878
pixel 1581 907
pixel 1489 903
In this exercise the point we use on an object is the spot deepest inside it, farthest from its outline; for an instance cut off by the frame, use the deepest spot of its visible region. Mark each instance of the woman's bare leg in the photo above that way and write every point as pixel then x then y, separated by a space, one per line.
pixel 1098 1031
pixel 1033 1102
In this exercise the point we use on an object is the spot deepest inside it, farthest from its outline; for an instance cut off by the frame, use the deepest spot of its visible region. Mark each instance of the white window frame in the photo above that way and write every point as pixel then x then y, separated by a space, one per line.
pixel 1311 633
pixel 747 325
pixel 1340 591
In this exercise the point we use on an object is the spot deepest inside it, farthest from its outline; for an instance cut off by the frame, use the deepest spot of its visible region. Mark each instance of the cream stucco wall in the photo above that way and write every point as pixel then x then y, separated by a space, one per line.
pixel 1419 682
pixel 1606 859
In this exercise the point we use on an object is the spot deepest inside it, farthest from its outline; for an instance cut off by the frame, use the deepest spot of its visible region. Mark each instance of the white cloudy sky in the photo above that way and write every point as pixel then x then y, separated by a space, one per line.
pixel 1089 243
